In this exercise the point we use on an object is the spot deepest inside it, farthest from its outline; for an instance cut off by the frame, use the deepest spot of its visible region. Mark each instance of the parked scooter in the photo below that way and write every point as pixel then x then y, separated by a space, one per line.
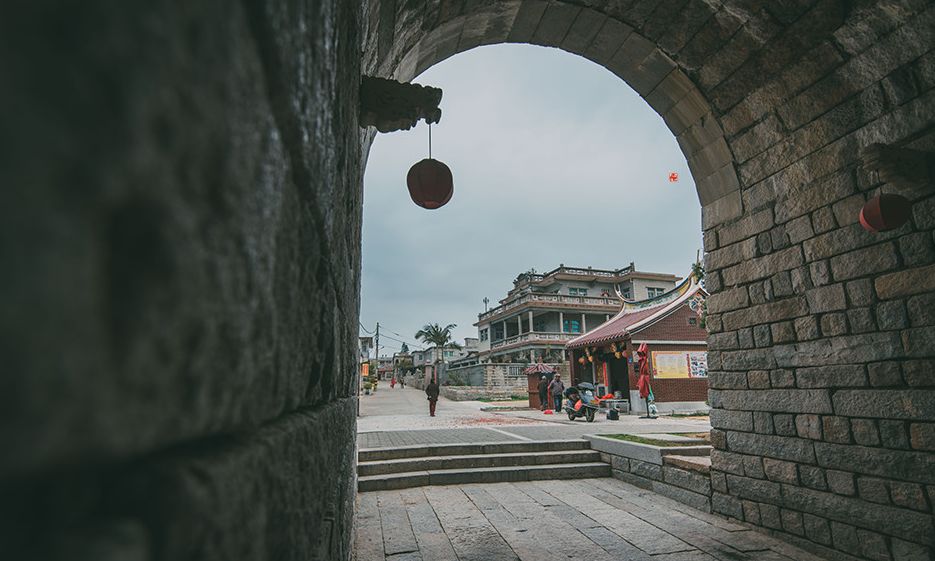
pixel 580 401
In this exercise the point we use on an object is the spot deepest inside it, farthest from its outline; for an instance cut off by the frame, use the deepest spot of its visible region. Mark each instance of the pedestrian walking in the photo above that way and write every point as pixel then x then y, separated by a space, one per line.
pixel 393 382
pixel 543 393
pixel 402 382
pixel 431 390
pixel 556 389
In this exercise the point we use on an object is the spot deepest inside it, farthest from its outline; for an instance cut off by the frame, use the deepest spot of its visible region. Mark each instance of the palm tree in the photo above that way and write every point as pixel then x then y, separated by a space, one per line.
pixel 438 336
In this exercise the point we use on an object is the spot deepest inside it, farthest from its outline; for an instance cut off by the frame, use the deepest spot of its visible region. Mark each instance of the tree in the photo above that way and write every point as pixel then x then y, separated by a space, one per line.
pixel 404 348
pixel 439 336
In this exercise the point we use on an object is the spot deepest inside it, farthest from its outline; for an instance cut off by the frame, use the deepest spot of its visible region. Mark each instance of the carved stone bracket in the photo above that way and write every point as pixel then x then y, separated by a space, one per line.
pixel 390 106
pixel 899 166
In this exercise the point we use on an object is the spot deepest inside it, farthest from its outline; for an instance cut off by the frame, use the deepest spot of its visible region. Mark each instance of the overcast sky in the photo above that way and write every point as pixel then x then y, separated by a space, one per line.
pixel 555 160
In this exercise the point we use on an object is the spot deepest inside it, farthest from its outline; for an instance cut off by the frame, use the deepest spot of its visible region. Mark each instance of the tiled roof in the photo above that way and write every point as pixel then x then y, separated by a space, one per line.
pixel 539 368
pixel 638 315
pixel 613 329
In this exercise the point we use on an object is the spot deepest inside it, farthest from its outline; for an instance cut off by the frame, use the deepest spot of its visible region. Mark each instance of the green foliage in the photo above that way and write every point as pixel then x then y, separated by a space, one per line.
pixel 434 334
pixel 455 379
pixel 698 271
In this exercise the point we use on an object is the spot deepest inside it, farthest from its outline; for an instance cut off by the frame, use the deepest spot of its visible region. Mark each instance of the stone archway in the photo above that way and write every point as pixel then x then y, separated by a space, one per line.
pixel 771 104
pixel 180 233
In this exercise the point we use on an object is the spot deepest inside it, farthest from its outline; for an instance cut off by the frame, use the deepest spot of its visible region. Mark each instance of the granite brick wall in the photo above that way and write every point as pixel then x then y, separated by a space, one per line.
pixel 179 240
pixel 822 342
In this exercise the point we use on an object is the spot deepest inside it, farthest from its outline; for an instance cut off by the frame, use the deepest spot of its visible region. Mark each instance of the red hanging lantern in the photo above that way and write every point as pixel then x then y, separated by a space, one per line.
pixel 430 184
pixel 885 212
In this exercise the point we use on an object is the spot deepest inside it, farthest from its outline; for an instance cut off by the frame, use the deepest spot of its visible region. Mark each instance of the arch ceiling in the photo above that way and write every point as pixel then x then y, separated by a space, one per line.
pixel 629 42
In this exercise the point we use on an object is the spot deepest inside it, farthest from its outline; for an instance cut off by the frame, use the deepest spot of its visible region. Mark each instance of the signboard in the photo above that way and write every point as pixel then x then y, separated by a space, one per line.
pixel 698 364
pixel 680 364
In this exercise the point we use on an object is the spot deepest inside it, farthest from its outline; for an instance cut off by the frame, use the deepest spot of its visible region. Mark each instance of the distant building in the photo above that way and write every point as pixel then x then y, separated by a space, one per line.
pixel 364 346
pixel 402 364
pixel 671 326
pixel 424 361
pixel 385 367
pixel 543 312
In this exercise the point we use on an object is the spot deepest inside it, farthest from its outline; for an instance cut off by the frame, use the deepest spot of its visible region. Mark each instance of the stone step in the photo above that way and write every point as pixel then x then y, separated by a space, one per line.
pixel 482 475
pixel 512 447
pixel 700 464
pixel 477 461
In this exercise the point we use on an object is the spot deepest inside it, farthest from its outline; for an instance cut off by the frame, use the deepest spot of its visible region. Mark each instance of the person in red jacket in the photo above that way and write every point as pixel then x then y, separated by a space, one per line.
pixel 642 383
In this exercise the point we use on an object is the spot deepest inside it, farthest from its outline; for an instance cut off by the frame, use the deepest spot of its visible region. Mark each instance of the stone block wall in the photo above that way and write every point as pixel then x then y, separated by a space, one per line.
pixel 686 486
pixel 179 240
pixel 473 393
pixel 822 336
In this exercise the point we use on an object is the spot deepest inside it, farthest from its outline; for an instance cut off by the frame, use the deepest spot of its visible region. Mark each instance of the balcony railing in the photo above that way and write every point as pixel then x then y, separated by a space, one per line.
pixel 534 337
pixel 552 299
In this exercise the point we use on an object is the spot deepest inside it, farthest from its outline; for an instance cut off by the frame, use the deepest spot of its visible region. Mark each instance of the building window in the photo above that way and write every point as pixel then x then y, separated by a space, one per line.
pixel 578 291
pixel 653 292
pixel 449 354
pixel 483 334
pixel 572 326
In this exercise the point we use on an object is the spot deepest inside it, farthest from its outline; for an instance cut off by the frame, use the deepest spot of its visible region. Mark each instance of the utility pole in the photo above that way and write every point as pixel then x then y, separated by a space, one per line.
pixel 377 349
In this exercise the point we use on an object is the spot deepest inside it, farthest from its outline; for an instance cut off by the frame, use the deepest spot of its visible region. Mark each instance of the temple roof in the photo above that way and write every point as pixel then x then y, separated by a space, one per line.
pixel 635 315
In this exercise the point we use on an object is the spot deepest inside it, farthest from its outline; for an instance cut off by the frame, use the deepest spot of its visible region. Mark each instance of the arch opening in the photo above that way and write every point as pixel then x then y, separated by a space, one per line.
pixel 422 39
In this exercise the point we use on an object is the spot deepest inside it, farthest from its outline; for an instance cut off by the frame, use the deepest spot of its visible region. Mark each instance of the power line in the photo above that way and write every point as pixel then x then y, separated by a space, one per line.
pixel 401 341
pixel 385 336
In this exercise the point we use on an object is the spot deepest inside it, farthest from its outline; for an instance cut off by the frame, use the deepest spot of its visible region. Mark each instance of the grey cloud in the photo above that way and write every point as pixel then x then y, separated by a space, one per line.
pixel 554 159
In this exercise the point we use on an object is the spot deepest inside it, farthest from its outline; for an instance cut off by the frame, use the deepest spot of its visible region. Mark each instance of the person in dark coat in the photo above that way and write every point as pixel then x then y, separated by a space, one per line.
pixel 431 390
pixel 543 393
pixel 556 389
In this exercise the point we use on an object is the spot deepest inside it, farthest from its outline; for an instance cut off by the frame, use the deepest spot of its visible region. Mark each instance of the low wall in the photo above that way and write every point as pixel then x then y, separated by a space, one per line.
pixel 648 467
pixel 473 393
pixel 638 405
pixel 473 375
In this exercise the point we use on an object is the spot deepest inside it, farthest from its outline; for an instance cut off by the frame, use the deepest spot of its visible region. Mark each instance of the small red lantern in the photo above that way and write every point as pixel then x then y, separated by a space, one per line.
pixel 886 212
pixel 430 184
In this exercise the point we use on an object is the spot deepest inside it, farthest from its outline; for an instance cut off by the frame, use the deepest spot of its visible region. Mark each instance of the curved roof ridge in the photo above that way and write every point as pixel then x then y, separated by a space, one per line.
pixel 636 314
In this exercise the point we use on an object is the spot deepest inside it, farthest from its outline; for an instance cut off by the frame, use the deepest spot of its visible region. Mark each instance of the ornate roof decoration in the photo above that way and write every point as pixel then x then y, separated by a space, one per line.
pixel 637 314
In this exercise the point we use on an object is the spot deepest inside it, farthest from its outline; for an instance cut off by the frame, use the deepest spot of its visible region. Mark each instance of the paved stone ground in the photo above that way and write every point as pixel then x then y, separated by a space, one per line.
pixel 400 418
pixel 591 519
pixel 409 409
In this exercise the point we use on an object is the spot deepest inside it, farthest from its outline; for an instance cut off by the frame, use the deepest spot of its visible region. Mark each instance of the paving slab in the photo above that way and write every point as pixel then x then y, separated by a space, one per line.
pixel 587 520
